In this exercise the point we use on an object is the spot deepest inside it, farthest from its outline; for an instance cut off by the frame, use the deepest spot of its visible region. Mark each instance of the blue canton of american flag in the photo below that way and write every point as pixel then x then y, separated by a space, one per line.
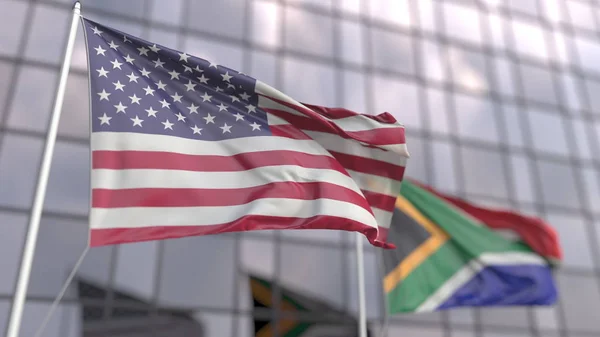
pixel 147 88
pixel 182 146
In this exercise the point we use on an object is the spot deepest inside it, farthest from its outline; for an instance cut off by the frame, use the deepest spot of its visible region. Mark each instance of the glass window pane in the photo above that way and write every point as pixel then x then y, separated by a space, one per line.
pixel 561 47
pixel 546 317
pixel 266 23
pixel 331 237
pixel 427 20
pixel 572 233
pixel 431 54
pixel 59 245
pixel 538 84
pixel 506 317
pixel 4 313
pixel 228 55
pixel 581 300
pixel 462 22
pixel 264 67
pixel 79 57
pixel 12 19
pixel 313 271
pixel 591 185
pixel 69 183
pixel 65 321
pixel 350 6
pixel 552 11
pixel 558 184
pixel 524 6
pixel 307 32
pixel 13 229
pixel 392 11
pixel 512 118
pixel 462 316
pixel 444 166
pixel 580 129
pixel 505 84
pixel 33 99
pixel 463 333
pixel 133 8
pixel 476 119
pixel 351 39
pixel 521 173
pixel 215 325
pixel 418 167
pixel 505 334
pixel 354 88
pixel 496 27
pixel 321 4
pixel 257 257
pixel 548 133
pixel 484 172
pixel 19 163
pixel 163 37
pixel 593 88
pixel 392 51
pixel 570 88
pixel 529 39
pixel 6 72
pixel 581 14
pixel 398 97
pixel 204 282
pixel 589 53
pixel 438 114
pixel 43 44
pixel 166 12
pixel 75 116
pixel 468 69
pixel 134 274
pixel 225 17
pixel 318 85
pixel 412 331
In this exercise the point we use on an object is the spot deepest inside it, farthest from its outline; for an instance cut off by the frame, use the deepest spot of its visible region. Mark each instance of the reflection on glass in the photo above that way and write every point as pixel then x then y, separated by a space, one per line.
pixel 392 51
pixel 12 19
pixel 480 166
pixel 307 32
pixel 581 300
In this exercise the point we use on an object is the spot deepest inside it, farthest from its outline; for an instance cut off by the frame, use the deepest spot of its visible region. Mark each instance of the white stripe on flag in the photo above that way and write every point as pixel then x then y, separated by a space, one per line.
pixel 139 217
pixel 124 141
pixel 157 178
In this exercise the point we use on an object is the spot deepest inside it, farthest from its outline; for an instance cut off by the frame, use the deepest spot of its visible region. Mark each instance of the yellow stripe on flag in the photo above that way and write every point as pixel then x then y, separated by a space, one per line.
pixel 415 258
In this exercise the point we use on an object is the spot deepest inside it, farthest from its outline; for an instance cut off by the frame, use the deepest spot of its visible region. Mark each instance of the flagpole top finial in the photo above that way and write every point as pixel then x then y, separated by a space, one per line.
pixel 76 6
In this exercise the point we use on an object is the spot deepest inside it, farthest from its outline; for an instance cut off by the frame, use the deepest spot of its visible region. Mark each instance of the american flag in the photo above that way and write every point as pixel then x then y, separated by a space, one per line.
pixel 182 146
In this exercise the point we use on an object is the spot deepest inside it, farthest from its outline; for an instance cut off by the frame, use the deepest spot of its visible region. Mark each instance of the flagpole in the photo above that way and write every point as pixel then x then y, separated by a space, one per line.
pixel 360 273
pixel 18 302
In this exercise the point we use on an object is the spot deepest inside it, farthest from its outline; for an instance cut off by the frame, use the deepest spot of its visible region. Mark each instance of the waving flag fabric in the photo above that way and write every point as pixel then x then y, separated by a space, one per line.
pixel 182 146
pixel 333 323
pixel 447 256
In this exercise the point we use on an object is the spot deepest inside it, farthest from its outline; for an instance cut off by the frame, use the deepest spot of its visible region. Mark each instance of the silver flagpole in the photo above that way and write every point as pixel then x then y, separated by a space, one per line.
pixel 360 273
pixel 18 302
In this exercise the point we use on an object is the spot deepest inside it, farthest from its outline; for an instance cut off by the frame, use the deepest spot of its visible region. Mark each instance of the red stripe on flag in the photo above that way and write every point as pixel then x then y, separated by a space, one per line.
pixel 288 131
pixel 338 113
pixel 537 234
pixel 122 160
pixel 103 237
pixel 369 166
pixel 381 201
pixel 381 136
pixel 192 197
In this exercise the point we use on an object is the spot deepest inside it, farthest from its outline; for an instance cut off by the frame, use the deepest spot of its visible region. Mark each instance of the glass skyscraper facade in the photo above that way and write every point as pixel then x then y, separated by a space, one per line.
pixel 501 103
